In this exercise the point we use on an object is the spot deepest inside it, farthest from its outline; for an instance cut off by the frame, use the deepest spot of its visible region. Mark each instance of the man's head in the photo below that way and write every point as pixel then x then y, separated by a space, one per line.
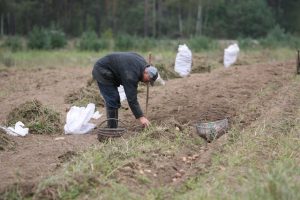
pixel 150 74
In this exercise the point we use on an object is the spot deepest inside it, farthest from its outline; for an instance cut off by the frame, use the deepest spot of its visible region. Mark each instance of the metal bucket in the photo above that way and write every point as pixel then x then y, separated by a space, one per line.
pixel 212 130
pixel 105 133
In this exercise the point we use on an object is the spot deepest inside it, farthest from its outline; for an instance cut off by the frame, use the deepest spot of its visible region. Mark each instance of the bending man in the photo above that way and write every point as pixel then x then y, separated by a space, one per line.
pixel 127 69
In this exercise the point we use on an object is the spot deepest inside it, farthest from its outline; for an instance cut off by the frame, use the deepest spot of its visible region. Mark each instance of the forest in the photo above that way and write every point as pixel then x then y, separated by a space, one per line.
pixel 222 19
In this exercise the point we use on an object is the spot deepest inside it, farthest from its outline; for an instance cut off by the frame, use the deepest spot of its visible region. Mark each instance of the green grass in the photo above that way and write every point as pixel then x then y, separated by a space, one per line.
pixel 68 58
pixel 258 164
pixel 165 54
pixel 95 171
pixel 49 59
pixel 13 194
pixel 252 171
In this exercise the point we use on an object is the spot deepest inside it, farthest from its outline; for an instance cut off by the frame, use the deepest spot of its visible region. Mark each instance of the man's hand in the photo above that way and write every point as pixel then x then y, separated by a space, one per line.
pixel 144 121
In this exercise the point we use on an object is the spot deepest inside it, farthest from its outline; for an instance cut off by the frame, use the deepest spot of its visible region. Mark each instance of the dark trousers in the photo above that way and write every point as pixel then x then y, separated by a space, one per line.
pixel 111 96
pixel 112 103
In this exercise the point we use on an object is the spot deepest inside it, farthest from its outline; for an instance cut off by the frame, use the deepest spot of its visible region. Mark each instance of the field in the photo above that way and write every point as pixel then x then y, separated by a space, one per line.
pixel 258 158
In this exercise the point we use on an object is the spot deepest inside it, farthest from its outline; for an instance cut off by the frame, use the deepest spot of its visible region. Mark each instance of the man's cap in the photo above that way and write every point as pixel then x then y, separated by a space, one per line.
pixel 153 73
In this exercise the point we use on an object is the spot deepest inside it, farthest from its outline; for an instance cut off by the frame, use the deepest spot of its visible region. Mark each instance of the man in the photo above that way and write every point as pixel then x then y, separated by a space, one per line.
pixel 127 69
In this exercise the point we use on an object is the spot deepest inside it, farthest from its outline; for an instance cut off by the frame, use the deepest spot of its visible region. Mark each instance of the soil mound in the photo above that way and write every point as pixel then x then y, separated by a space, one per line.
pixel 38 118
pixel 83 96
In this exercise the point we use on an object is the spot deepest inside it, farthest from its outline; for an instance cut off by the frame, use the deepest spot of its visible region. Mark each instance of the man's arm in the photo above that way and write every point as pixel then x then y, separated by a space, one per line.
pixel 131 94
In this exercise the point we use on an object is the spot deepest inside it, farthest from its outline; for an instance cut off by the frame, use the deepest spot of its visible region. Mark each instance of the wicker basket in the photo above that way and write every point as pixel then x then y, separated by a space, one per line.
pixel 212 130
pixel 104 133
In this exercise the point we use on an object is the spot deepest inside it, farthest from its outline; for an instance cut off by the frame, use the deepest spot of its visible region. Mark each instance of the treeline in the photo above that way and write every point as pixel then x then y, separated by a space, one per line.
pixel 151 18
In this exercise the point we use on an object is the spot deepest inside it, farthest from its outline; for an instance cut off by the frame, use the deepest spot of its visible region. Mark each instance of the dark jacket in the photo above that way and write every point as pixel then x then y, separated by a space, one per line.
pixel 122 68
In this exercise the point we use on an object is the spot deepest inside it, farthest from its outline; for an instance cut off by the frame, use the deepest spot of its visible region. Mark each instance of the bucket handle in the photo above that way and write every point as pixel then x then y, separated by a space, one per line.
pixel 111 119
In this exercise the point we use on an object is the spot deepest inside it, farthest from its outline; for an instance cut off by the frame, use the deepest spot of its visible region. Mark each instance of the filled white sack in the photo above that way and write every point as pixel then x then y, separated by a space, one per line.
pixel 78 118
pixel 230 55
pixel 183 61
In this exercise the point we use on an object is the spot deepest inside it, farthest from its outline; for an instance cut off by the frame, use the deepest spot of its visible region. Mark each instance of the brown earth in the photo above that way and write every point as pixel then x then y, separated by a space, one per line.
pixel 223 93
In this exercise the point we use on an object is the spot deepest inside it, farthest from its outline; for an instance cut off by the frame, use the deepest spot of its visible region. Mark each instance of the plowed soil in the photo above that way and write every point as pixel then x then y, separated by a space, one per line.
pixel 222 93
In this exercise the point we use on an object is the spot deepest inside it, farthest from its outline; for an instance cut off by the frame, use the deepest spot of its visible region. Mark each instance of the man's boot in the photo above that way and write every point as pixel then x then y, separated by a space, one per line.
pixel 112 116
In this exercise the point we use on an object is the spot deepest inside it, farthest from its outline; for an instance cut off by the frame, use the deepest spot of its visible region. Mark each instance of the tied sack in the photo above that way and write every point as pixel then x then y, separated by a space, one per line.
pixel 230 55
pixel 183 62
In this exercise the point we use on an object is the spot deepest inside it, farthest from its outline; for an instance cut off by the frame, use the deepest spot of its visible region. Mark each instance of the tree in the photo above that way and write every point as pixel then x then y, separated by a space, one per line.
pixel 156 18
pixel 247 18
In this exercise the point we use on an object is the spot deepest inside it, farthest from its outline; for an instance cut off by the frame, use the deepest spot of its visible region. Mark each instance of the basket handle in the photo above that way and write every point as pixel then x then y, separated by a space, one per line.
pixel 111 119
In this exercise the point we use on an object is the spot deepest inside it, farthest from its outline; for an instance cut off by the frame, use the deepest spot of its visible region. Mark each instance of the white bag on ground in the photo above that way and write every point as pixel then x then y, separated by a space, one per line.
pixel 183 62
pixel 78 118
pixel 231 54
pixel 18 130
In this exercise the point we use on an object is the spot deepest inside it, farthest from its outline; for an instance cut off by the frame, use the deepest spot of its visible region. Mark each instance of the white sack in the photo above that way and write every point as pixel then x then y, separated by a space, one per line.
pixel 183 62
pixel 121 93
pixel 78 118
pixel 231 54
pixel 18 130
